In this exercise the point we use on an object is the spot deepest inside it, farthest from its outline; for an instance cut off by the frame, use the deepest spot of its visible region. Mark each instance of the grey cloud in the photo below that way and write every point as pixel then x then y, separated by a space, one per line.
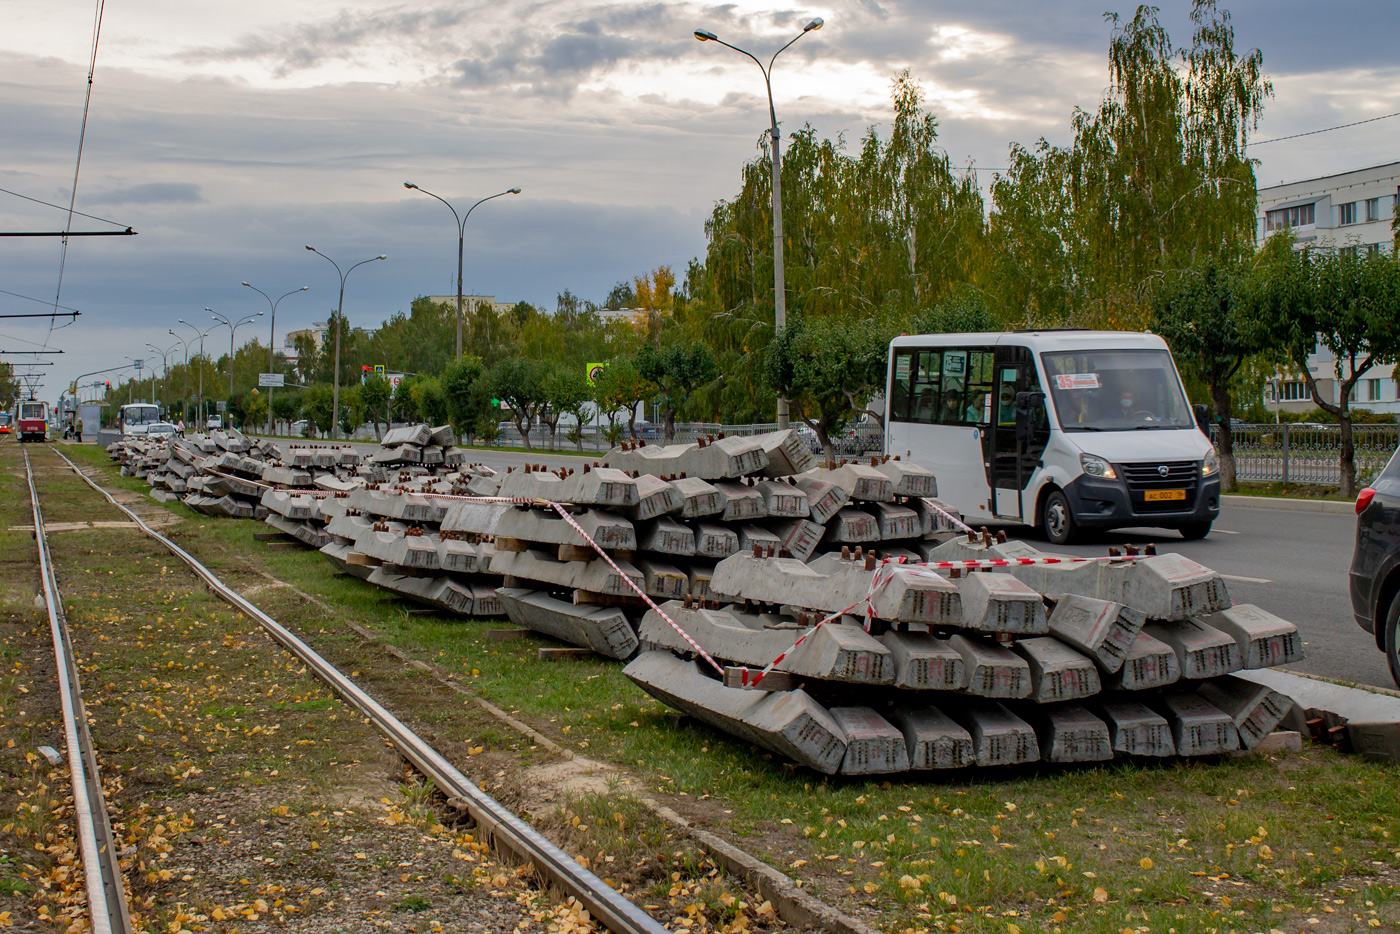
pixel 150 193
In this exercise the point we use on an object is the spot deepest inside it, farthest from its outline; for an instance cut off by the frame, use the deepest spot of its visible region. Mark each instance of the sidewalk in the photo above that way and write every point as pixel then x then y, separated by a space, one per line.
pixel 1280 502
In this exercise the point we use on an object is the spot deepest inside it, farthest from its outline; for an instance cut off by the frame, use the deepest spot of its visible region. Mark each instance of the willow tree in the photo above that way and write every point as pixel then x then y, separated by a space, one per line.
pixel 1156 179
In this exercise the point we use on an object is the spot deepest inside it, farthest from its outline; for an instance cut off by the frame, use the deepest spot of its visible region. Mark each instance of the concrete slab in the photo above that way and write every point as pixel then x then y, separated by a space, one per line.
pixel 1372 718
pixel 1071 733
pixel 934 740
pixel 751 536
pixel 547 527
pixel 1000 603
pixel 474 518
pixel 698 497
pixel 1202 650
pixel 873 745
pixel 605 630
pixel 999 737
pixel 992 670
pixel 713 540
pixel 699 576
pixel 852 526
pixel 590 576
pixel 739 503
pixel 1264 640
pixel 666 536
pixel 1150 663
pixel 908 478
pixel 1136 729
pixel 1101 629
pixel 1058 672
pixel 790 723
pixel 798 537
pixel 896 522
pixel 860 481
pixel 587 486
pixel 824 498
pixel 1256 708
pixel 720 459
pixel 783 500
pixel 1199 728
pixel 663 581
pixel 655 497
pixel 925 662
pixel 1164 587
pixel 788 455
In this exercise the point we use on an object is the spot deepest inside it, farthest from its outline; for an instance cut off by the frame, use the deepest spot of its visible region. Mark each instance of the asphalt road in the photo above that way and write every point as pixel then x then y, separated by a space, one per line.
pixel 1291 563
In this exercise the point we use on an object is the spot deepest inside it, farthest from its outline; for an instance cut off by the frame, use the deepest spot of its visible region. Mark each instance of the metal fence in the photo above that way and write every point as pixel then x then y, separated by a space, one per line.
pixel 1307 453
pixel 863 439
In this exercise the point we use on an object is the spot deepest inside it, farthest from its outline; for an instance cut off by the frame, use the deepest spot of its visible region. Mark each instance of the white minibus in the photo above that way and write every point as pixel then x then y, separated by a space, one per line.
pixel 1059 429
pixel 137 417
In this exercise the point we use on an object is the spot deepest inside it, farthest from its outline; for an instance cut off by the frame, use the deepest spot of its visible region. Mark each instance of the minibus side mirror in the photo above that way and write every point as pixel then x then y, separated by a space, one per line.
pixel 1202 417
pixel 1026 405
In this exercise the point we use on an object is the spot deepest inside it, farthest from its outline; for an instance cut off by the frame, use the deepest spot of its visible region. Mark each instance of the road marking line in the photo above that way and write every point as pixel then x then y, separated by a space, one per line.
pixel 1246 580
pixel 1224 532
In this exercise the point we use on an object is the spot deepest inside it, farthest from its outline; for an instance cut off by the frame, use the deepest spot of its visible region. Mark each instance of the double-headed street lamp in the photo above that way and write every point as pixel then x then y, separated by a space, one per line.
pixel 200 419
pixel 779 286
pixel 233 327
pixel 185 395
pixel 340 326
pixel 165 371
pixel 461 238
pixel 272 341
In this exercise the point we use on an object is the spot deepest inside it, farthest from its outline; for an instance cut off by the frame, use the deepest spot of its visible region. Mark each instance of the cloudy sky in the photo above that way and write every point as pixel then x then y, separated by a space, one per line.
pixel 229 135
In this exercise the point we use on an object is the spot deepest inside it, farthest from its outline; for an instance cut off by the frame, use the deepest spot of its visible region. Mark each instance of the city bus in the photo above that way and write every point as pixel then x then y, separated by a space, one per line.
pixel 1061 430
pixel 32 418
pixel 137 418
pixel 6 422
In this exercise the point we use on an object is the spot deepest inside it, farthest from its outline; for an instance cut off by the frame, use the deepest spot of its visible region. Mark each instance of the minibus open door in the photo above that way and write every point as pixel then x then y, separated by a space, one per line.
pixel 1019 435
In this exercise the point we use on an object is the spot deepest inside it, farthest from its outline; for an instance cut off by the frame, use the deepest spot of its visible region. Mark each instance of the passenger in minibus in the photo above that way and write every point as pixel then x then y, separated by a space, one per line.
pixel 952 408
pixel 973 413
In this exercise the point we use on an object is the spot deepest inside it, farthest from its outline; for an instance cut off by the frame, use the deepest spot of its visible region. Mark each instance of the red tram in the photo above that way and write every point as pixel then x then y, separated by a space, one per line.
pixel 32 418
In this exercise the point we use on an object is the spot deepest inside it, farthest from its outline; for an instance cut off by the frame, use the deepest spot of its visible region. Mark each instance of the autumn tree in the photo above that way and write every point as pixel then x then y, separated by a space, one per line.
pixel 677 370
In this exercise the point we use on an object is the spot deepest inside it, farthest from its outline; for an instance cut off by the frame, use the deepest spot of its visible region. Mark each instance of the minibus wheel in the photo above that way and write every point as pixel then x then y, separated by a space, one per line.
pixel 1058 519
pixel 1195 531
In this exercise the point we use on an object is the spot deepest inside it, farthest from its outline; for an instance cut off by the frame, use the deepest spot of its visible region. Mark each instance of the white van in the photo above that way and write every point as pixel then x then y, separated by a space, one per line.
pixel 1060 429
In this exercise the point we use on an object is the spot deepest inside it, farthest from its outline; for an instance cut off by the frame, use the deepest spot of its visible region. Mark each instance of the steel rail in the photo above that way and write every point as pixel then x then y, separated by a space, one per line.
pixel 108 911
pixel 509 833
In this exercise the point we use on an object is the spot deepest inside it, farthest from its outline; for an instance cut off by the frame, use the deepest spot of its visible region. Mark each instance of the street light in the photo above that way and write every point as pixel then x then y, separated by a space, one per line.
pixel 232 330
pixel 185 395
pixel 461 237
pixel 272 341
pixel 779 286
pixel 202 334
pixel 165 366
pixel 340 326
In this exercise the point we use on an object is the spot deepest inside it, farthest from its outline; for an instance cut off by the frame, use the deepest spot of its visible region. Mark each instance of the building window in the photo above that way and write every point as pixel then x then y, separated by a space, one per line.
pixel 1373 209
pixel 1348 251
pixel 1346 213
pixel 1301 216
pixel 1373 249
pixel 1293 390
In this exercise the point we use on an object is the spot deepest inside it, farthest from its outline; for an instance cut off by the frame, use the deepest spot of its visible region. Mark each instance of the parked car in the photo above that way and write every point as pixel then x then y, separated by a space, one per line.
pixel 299 427
pixel 1375 565
pixel 214 421
pixel 160 430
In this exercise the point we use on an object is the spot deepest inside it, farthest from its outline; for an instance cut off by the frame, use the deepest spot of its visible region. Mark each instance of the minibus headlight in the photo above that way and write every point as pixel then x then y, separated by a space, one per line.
pixel 1097 467
pixel 1211 464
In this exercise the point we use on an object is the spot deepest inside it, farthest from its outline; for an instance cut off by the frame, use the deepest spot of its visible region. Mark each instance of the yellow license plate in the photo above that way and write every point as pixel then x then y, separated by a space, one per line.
pixel 1157 496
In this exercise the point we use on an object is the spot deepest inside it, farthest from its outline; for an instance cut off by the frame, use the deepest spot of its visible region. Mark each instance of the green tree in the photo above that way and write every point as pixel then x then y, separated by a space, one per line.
pixel 1197 312
pixel 828 369
pixel 431 399
pixel 316 407
pixel 678 370
pixel 566 392
pixel 375 393
pixel 286 405
pixel 469 407
pixel 621 388
pixel 519 382
pixel 1346 303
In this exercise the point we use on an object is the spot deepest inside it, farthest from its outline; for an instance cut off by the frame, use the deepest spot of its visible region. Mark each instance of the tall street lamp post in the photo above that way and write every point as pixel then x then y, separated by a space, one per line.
pixel 779 288
pixel 165 373
pixel 461 237
pixel 233 327
pixel 272 341
pixel 340 326
pixel 185 395
pixel 201 418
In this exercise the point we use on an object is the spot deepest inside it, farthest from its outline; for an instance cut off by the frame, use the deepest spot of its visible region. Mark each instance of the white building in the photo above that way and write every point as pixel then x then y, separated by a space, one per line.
pixel 1349 212
pixel 470 302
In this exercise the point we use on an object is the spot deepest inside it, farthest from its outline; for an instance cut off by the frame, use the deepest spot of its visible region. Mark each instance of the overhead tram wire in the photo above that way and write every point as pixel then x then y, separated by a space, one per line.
pixel 78 164
pixel 49 204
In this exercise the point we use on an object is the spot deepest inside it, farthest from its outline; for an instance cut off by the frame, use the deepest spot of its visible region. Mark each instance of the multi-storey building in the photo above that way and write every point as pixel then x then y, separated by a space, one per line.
pixel 1351 211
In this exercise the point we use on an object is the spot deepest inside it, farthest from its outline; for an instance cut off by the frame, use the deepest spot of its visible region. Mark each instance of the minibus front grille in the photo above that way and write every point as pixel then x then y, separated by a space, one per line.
pixel 1178 475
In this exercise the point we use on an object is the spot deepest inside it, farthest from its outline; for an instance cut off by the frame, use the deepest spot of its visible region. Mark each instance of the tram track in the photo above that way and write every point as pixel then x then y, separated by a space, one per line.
pixel 508 834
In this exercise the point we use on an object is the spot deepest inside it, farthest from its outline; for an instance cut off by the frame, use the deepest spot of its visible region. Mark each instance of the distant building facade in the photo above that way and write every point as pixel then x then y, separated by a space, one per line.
pixel 470 302
pixel 1349 212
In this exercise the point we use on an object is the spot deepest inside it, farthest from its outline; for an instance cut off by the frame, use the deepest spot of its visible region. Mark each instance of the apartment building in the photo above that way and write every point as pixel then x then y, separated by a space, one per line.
pixel 1352 212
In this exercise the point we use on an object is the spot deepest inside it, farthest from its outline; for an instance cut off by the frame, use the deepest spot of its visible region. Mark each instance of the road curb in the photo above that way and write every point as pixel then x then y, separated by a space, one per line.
pixel 1278 502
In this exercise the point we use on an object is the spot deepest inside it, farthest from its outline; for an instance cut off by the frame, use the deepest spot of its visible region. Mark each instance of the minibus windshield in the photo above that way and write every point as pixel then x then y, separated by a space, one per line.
pixel 1116 390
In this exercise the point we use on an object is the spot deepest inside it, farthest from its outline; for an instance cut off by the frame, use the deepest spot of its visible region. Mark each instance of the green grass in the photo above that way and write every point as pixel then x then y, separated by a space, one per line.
pixel 1250 843
pixel 1315 491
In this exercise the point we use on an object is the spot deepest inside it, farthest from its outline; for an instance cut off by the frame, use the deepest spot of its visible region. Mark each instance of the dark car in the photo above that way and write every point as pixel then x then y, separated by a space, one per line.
pixel 1375 565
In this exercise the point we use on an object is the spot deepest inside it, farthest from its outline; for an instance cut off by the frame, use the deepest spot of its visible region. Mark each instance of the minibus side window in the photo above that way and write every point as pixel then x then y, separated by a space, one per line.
pixel 899 385
pixel 927 383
